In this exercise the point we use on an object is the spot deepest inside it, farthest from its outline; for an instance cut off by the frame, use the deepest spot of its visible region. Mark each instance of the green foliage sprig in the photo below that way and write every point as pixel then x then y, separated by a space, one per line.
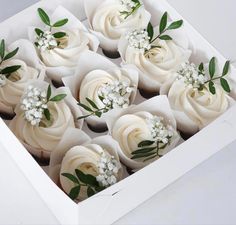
pixel 137 5
pixel 82 180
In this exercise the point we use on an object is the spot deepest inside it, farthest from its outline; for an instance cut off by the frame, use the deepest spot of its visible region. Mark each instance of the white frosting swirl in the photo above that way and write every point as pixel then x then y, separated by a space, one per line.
pixel 85 158
pixel 195 109
pixel 129 130
pixel 13 90
pixel 158 65
pixel 41 140
pixel 69 49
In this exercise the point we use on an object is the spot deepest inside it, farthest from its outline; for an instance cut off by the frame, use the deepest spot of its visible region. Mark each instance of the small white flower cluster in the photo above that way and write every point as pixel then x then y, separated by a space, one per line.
pixel 159 131
pixel 33 103
pixel 2 80
pixel 108 167
pixel 139 40
pixel 128 5
pixel 46 41
pixel 115 95
pixel 190 76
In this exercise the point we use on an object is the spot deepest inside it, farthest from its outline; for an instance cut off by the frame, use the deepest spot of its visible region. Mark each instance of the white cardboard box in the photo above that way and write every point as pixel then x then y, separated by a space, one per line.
pixel 109 205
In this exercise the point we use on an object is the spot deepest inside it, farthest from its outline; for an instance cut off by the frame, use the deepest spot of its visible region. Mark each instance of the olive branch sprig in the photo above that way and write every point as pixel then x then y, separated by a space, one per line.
pixel 148 150
pixel 46 20
pixel 212 72
pixel 7 71
pixel 56 98
pixel 137 5
pixel 81 179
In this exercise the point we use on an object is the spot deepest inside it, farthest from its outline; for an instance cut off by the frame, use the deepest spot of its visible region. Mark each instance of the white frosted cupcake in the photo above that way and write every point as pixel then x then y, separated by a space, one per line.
pixel 195 99
pixel 61 42
pixel 110 19
pixel 84 168
pixel 155 53
pixel 145 132
pixel 42 118
pixel 17 69
pixel 100 87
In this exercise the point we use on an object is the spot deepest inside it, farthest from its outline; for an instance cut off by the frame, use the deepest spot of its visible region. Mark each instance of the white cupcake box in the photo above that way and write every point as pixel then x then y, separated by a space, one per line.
pixel 109 205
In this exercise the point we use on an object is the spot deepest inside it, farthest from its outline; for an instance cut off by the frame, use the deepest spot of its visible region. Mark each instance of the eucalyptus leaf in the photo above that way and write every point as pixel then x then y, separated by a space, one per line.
pixel 226 68
pixel 49 92
pixel 201 67
pixel 212 67
pixel 38 31
pixel 58 98
pixel 74 192
pixel 150 31
pixel 212 87
pixel 47 114
pixel 149 158
pixel 165 37
pixel 82 117
pixel 59 35
pixel 98 114
pixel 91 103
pixel 60 23
pixel 143 150
pixel 44 17
pixel 175 25
pixel 225 85
pixel 85 107
pixel 163 22
pixel 71 177
pixel 145 143
pixel 2 48
pixel 86 178
pixel 10 69
pixel 90 191
pixel 11 54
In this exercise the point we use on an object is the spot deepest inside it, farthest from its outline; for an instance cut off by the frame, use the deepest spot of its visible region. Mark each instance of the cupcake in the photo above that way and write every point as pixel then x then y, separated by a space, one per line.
pixel 100 87
pixel 84 168
pixel 17 69
pixel 155 53
pixel 145 132
pixel 196 97
pixel 43 116
pixel 110 19
pixel 60 43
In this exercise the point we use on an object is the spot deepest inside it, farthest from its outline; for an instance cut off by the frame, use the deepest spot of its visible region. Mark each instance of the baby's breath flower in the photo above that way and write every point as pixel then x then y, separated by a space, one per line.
pixel 139 40
pixel 33 104
pixel 159 131
pixel 108 168
pixel 2 80
pixel 190 75
pixel 46 41
pixel 115 95
pixel 128 4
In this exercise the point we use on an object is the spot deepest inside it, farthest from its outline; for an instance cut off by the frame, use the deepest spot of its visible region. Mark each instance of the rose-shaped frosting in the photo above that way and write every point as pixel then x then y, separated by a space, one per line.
pixel 131 129
pixel 193 108
pixel 12 91
pixel 158 64
pixel 88 159
pixel 108 23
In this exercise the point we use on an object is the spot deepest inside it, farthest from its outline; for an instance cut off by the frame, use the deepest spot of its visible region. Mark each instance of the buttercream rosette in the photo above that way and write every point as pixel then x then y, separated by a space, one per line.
pixel 61 60
pixel 107 22
pixel 158 64
pixel 193 108
pixel 77 151
pixel 38 133
pixel 151 120
pixel 12 88
pixel 93 80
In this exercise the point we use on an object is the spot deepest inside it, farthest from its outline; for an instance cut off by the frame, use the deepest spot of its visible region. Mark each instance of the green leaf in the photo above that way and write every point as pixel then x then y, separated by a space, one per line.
pixel 98 114
pixel 44 16
pixel 60 23
pixel 150 31
pixel 143 155
pixel 226 68
pixel 11 54
pixel 90 192
pixel 143 150
pixel 49 92
pixel 212 87
pixel 175 25
pixel 165 37
pixel 145 143
pixel 85 107
pixel 2 49
pixel 225 85
pixel 86 178
pixel 101 98
pixel 59 35
pixel 47 114
pixel 58 98
pixel 74 192
pixel 98 189
pixel 163 22
pixel 38 31
pixel 82 117
pixel 149 158
pixel 71 177
pixel 10 69
pixel 212 67
pixel 92 103
pixel 201 67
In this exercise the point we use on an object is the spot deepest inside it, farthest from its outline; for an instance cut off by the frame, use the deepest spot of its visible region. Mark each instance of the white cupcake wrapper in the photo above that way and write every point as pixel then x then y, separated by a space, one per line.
pixel 157 106
pixel 57 72
pixel 84 67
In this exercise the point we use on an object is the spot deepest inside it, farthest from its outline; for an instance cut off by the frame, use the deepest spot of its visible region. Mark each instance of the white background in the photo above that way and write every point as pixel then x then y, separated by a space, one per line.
pixel 206 195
